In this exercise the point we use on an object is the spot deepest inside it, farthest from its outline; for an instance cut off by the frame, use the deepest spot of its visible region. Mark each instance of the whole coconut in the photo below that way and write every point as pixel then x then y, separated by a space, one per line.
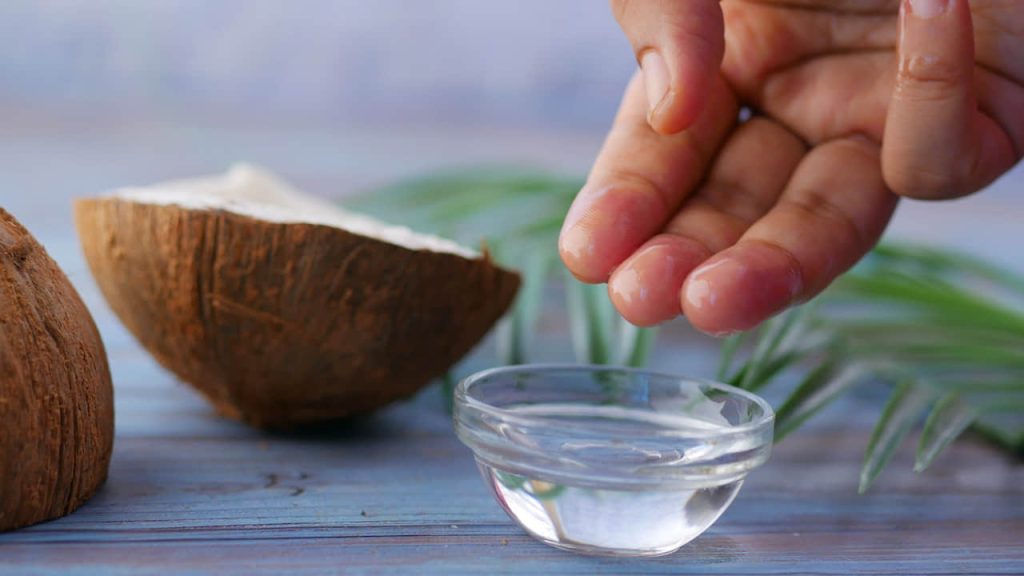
pixel 56 401
pixel 282 309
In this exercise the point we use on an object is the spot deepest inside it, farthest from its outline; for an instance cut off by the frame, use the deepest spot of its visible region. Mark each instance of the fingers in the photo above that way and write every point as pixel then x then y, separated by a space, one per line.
pixel 832 96
pixel 638 181
pixel 769 39
pixel 679 47
pixel 937 144
pixel 645 289
pixel 826 73
pixel 747 178
pixel 843 6
pixel 832 212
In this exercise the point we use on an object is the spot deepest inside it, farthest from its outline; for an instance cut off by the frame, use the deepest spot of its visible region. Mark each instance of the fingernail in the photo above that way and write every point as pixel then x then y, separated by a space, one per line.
pixel 656 81
pixel 928 8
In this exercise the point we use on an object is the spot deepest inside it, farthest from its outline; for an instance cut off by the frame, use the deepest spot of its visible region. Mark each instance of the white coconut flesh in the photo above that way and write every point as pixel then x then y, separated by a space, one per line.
pixel 255 192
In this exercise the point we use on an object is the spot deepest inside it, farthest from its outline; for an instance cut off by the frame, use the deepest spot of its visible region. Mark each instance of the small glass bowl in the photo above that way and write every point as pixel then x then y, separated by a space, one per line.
pixel 611 461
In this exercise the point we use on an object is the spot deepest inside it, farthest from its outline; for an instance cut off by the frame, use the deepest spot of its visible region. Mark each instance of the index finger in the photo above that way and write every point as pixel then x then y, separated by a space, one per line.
pixel 638 182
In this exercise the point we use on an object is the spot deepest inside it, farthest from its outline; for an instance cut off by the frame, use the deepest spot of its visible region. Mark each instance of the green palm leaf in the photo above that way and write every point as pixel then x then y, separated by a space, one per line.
pixel 590 321
pixel 635 344
pixel 950 416
pixel 899 416
pixel 513 334
pixel 819 388
pixel 932 323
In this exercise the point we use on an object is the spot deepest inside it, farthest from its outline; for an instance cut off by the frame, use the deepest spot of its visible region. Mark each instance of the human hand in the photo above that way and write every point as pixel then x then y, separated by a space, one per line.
pixel 688 211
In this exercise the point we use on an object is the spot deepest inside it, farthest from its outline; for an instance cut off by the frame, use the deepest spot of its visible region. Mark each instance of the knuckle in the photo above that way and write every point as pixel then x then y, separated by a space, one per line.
pixel 637 186
pixel 695 26
pixel 746 60
pixel 923 77
pixel 705 227
pixel 928 182
pixel 704 35
pixel 819 207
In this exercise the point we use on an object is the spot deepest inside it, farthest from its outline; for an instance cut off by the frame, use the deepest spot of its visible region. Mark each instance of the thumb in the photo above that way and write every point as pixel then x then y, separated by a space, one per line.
pixel 937 144
pixel 679 46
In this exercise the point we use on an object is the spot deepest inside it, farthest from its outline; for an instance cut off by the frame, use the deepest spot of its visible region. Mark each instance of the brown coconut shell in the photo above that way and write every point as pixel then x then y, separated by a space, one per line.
pixel 287 324
pixel 56 400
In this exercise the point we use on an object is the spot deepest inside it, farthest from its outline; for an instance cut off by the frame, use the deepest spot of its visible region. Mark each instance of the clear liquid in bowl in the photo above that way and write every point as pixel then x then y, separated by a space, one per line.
pixel 610 518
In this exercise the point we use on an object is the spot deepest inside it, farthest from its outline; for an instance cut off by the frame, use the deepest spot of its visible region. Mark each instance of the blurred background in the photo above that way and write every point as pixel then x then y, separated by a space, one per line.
pixel 338 96
pixel 343 96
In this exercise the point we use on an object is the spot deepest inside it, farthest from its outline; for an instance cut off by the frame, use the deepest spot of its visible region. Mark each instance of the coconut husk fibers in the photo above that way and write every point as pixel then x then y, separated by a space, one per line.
pixel 56 401
pixel 286 324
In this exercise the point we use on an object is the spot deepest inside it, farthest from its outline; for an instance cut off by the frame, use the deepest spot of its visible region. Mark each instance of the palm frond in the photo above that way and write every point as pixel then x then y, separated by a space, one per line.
pixel 949 417
pixel 900 414
pixel 923 321
pixel 635 344
pixel 818 389
pixel 590 321
pixel 943 328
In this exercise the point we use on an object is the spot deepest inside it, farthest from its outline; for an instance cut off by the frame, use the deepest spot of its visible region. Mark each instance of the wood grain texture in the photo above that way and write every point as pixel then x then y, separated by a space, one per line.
pixel 191 493
pixel 194 494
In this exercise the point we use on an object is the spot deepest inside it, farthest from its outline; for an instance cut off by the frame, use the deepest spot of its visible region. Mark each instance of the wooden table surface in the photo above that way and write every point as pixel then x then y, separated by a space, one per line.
pixel 190 493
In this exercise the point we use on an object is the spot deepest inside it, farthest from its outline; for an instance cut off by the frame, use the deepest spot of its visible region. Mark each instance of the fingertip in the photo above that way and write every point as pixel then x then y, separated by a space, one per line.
pixel 740 288
pixel 632 299
pixel 576 249
pixel 606 225
pixel 645 288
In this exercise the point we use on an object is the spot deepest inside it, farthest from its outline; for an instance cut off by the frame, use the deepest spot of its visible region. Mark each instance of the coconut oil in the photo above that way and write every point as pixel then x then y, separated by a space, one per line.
pixel 612 517
pixel 611 461
pixel 610 521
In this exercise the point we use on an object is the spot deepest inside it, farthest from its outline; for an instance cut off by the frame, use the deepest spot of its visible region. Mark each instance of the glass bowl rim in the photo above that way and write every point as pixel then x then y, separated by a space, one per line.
pixel 470 413
pixel 463 397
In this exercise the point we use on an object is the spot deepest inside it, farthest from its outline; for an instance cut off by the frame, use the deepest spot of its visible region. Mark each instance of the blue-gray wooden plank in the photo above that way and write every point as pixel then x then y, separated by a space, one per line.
pixel 192 493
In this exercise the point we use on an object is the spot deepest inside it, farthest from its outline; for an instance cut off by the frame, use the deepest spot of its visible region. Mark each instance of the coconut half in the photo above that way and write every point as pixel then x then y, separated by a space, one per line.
pixel 283 309
pixel 56 400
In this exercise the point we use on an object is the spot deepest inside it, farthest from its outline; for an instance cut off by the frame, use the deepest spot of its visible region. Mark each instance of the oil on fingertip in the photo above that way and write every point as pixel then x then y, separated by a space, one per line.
pixel 576 246
pixel 700 294
pixel 625 286
pixel 927 9
pixel 699 291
